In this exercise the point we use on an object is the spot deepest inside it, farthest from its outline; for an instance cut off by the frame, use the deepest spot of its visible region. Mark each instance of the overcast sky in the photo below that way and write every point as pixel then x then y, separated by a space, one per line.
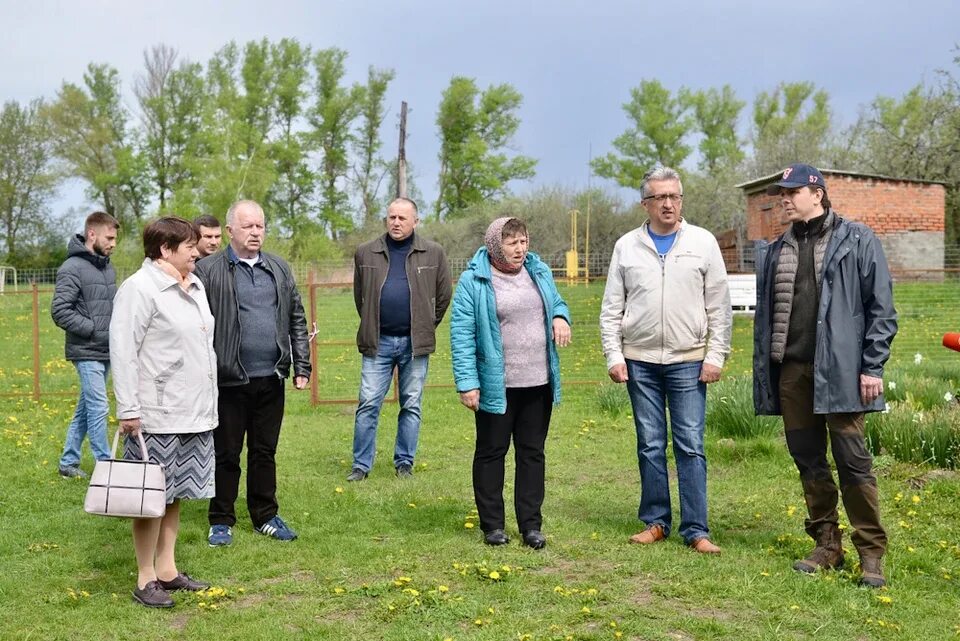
pixel 574 62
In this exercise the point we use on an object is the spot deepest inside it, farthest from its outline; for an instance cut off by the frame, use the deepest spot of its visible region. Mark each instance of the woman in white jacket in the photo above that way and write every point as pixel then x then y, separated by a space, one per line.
pixel 165 382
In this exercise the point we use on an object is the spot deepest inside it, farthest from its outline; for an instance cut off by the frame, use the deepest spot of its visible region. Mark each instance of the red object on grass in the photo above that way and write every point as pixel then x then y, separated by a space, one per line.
pixel 951 340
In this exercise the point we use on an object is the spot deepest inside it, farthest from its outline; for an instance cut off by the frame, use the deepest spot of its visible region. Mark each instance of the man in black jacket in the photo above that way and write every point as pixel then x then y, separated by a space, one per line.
pixel 260 331
pixel 82 305
pixel 822 333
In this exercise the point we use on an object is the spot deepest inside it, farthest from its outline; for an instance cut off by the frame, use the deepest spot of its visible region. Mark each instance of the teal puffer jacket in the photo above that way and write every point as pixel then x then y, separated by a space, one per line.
pixel 475 341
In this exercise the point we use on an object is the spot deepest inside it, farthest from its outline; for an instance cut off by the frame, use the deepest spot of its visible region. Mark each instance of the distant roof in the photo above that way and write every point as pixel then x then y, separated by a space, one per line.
pixel 755 184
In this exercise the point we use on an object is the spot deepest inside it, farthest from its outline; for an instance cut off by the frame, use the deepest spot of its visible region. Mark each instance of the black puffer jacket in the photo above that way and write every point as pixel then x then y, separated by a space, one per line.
pixel 83 302
pixel 217 274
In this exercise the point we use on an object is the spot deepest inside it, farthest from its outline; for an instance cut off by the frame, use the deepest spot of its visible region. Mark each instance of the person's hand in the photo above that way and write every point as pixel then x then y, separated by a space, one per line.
pixel 300 382
pixel 561 332
pixel 618 373
pixel 471 399
pixel 709 373
pixel 870 388
pixel 130 426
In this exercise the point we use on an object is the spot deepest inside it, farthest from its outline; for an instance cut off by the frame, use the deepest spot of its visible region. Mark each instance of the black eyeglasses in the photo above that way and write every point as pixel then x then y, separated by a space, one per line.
pixel 662 198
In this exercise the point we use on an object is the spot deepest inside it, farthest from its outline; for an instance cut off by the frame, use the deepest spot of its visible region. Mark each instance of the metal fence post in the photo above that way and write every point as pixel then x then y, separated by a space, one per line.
pixel 36 341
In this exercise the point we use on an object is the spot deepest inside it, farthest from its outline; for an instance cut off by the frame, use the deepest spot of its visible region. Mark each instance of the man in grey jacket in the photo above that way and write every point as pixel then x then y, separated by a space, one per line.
pixel 259 334
pixel 401 287
pixel 824 324
pixel 82 305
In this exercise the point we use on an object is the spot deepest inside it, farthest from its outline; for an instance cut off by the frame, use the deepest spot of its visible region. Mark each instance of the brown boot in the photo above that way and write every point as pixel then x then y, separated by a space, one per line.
pixel 872 572
pixel 828 553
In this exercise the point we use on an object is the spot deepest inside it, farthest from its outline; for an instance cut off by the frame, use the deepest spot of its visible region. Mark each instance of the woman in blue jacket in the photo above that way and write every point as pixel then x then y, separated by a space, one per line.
pixel 508 319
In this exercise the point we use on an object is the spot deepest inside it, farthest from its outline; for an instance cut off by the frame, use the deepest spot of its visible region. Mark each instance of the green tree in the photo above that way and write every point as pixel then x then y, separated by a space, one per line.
pixel 791 124
pixel 331 120
pixel 660 124
pixel 171 106
pixel 91 136
pixel 918 136
pixel 234 160
pixel 291 196
pixel 370 169
pixel 27 179
pixel 475 128
pixel 715 115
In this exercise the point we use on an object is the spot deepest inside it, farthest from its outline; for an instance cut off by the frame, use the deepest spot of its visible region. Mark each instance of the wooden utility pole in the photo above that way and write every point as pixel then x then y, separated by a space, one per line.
pixel 402 156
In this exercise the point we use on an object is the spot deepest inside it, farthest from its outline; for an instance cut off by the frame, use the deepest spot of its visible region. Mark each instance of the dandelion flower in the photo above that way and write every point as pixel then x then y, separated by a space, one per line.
pixel 468 525
pixel 883 598
pixel 494 575
pixel 585 610
pixel 442 588
pixel 338 490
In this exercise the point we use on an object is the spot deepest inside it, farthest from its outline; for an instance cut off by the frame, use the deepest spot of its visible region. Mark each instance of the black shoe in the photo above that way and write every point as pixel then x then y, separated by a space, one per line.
pixel 534 539
pixel 153 595
pixel 183 582
pixel 496 537
pixel 356 475
pixel 404 471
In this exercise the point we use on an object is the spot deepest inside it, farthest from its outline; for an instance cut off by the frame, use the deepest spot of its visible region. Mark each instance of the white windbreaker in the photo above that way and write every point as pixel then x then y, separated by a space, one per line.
pixel 671 313
pixel 161 353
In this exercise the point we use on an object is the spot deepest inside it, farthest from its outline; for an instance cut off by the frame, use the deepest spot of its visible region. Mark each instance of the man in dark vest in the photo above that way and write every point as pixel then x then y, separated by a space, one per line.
pixel 822 333
pixel 82 305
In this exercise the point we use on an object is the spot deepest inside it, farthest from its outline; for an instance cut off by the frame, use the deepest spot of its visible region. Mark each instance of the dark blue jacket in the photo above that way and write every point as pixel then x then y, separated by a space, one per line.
pixel 83 302
pixel 856 323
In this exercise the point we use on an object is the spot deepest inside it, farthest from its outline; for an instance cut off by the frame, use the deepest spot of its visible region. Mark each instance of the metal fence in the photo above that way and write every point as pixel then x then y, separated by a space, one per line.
pixel 34 365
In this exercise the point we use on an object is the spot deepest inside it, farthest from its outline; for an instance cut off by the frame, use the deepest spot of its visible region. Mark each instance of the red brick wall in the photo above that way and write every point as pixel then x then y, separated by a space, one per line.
pixel 887 206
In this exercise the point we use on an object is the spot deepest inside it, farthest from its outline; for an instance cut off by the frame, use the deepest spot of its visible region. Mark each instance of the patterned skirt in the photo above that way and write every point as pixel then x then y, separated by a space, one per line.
pixel 188 461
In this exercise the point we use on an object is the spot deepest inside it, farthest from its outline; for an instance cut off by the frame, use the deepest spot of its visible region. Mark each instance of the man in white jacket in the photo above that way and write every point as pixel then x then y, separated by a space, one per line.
pixel 665 325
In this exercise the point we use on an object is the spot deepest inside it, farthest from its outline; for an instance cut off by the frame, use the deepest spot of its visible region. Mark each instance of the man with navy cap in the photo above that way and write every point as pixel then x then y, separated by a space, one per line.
pixel 822 333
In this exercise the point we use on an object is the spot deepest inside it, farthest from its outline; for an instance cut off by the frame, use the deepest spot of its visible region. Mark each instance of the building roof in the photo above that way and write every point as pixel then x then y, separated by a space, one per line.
pixel 758 183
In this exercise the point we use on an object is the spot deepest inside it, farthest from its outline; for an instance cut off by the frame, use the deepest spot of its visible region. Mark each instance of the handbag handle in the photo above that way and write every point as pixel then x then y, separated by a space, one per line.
pixel 143 445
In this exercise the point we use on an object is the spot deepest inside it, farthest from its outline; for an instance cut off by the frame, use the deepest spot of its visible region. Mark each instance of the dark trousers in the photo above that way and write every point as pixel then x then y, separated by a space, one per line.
pixel 806 435
pixel 526 420
pixel 254 410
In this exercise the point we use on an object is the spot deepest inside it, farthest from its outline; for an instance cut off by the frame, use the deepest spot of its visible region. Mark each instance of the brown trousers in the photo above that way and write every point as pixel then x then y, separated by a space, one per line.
pixel 806 435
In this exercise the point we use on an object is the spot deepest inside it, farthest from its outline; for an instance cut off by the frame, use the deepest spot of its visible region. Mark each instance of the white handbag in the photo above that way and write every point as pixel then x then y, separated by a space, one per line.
pixel 119 487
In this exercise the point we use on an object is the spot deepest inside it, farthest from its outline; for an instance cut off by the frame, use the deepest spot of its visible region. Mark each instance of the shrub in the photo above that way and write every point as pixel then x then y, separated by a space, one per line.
pixel 730 410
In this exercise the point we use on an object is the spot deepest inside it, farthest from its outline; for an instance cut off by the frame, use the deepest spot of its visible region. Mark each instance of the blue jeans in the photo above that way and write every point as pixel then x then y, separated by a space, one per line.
pixel 652 389
pixel 375 375
pixel 90 417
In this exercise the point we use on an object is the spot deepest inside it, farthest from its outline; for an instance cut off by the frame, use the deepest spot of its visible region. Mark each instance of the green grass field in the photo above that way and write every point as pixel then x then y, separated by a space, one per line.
pixel 390 559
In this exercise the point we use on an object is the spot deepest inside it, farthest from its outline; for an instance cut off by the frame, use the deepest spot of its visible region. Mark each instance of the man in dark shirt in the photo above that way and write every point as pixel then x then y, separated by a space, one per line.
pixel 401 287
pixel 260 335
pixel 824 324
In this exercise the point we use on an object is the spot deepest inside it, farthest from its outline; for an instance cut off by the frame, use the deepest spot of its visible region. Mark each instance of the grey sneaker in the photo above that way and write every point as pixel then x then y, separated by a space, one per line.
pixel 356 475
pixel 72 472
pixel 405 471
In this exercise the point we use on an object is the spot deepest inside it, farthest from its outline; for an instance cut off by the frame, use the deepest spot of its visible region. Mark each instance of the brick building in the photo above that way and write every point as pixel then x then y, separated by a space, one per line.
pixel 907 215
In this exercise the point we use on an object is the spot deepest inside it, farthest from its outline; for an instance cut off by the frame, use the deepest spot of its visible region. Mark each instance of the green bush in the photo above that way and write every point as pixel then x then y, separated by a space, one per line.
pixel 730 410
pixel 916 435
pixel 612 399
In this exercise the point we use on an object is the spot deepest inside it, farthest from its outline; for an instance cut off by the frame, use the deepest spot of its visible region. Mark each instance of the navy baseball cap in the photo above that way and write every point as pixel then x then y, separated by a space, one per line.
pixel 798 175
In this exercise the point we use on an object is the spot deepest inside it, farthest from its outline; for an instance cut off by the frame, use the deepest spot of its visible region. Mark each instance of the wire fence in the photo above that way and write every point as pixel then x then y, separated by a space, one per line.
pixel 34 364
